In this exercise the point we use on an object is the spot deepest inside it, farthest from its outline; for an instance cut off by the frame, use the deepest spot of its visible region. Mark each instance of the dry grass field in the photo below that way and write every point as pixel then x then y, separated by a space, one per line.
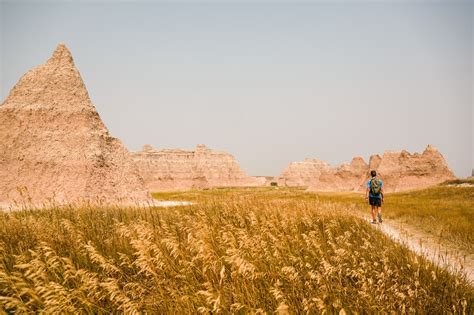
pixel 234 251
pixel 444 211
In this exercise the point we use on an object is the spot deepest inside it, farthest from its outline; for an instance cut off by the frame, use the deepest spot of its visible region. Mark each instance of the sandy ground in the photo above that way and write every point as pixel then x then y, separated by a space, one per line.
pixel 439 252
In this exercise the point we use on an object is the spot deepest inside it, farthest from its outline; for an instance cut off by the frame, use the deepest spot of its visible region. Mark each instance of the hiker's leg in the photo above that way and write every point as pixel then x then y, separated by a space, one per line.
pixel 379 214
pixel 373 212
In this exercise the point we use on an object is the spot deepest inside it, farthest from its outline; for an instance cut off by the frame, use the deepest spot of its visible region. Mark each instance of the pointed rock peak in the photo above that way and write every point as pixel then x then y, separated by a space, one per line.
pixel 56 84
pixel 61 56
pixel 405 153
pixel 429 148
pixel 358 160
pixel 374 161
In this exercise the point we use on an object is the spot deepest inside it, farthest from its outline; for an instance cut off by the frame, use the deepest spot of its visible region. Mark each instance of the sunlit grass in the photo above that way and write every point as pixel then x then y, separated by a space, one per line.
pixel 233 251
pixel 444 211
pixel 267 193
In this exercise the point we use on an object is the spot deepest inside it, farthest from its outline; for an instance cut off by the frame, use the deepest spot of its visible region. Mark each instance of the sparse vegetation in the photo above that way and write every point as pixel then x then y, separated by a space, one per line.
pixel 233 251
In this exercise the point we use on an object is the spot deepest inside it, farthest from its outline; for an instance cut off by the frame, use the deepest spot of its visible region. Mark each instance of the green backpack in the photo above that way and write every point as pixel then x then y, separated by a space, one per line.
pixel 375 186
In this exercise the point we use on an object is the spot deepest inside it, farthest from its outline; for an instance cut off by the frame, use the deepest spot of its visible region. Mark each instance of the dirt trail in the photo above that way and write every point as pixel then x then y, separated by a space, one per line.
pixel 437 251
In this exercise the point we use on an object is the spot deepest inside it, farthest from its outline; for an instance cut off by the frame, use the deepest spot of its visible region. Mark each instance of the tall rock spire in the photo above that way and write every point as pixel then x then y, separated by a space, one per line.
pixel 53 144
pixel 56 84
pixel 61 56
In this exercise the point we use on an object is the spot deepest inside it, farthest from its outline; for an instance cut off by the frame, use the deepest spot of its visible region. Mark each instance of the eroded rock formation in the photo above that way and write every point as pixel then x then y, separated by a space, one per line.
pixel 174 169
pixel 319 174
pixel 404 171
pixel 53 144
pixel 400 171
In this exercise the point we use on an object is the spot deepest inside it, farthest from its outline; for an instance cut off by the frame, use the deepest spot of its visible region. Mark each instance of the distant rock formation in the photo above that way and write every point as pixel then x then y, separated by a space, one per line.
pixel 318 174
pixel 304 173
pixel 400 171
pixel 404 171
pixel 53 144
pixel 175 169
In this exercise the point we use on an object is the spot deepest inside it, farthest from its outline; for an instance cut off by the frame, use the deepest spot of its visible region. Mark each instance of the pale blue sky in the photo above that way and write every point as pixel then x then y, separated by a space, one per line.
pixel 268 82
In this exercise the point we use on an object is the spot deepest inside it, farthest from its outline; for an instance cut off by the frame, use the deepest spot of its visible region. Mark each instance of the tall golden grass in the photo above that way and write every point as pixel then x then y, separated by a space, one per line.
pixel 225 254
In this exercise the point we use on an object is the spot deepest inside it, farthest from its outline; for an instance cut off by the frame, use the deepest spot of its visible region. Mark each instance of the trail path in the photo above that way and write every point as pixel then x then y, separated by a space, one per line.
pixel 433 248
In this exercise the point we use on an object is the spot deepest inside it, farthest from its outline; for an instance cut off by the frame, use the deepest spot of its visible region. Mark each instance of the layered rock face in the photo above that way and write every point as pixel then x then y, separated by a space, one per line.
pixel 174 169
pixel 404 171
pixel 303 173
pixel 321 176
pixel 53 144
pixel 400 171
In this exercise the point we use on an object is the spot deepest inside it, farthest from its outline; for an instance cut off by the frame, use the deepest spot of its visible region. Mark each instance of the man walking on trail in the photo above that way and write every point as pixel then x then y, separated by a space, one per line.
pixel 374 194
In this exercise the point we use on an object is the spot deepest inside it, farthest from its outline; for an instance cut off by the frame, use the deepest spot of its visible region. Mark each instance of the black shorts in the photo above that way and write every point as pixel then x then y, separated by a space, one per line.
pixel 374 201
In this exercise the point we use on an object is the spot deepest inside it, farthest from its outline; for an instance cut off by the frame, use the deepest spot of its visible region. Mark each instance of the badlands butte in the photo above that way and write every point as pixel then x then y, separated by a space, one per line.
pixel 55 147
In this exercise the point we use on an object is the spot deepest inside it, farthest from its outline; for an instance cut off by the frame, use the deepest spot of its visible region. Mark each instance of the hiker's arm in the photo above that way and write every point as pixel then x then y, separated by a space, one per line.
pixel 367 193
pixel 381 191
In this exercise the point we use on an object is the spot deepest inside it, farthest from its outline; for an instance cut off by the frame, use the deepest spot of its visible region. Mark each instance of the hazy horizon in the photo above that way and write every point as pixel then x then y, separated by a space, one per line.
pixel 270 83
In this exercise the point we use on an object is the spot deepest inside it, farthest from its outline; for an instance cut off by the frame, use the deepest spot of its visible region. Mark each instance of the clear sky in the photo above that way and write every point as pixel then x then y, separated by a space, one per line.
pixel 269 82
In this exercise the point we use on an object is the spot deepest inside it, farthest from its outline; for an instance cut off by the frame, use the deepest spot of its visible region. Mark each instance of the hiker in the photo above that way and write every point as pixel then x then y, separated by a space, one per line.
pixel 374 194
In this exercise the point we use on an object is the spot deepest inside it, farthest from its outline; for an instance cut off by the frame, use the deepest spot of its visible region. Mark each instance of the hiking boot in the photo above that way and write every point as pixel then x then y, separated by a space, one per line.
pixel 379 216
pixel 373 222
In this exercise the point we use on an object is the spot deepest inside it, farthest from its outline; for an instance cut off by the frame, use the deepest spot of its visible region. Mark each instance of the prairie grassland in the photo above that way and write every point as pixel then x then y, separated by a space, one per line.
pixel 444 211
pixel 224 194
pixel 245 251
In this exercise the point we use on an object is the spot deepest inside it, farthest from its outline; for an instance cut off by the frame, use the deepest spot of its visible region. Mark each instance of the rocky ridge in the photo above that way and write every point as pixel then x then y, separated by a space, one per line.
pixel 175 169
pixel 400 171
